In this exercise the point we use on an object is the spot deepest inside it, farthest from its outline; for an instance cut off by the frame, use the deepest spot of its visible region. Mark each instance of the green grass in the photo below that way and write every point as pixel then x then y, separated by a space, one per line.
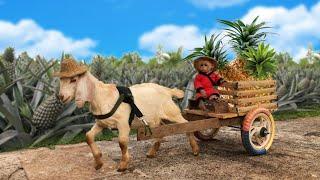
pixel 303 112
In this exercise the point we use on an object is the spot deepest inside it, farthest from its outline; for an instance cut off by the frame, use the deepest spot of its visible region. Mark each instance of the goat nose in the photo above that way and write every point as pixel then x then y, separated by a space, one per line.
pixel 61 97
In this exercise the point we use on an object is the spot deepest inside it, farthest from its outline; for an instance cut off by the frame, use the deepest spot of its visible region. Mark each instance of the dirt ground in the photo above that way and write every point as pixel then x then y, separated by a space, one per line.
pixel 295 154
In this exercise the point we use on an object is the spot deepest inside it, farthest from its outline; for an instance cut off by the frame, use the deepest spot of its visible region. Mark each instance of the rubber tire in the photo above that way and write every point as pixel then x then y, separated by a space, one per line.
pixel 204 137
pixel 245 132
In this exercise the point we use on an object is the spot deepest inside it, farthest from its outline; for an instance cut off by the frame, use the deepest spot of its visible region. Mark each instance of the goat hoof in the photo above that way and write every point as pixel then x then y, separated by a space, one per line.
pixel 196 151
pixel 122 166
pixel 121 169
pixel 98 166
pixel 151 155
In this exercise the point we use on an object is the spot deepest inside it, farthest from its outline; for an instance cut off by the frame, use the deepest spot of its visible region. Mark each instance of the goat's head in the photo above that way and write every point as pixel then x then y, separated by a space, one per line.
pixel 75 83
pixel 80 88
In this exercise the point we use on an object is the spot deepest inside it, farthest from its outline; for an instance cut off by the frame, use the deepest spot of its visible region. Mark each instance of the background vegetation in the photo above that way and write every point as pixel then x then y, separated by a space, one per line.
pixel 32 115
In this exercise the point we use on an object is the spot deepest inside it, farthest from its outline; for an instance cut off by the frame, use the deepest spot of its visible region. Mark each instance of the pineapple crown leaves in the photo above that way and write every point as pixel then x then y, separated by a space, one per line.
pixel 212 48
pixel 8 55
pixel 242 36
pixel 260 62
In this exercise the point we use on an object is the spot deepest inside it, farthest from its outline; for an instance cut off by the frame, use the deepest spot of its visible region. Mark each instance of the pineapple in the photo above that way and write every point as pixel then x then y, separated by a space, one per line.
pixel 45 115
pixel 213 48
pixel 235 71
pixel 98 67
pixel 242 37
pixel 9 62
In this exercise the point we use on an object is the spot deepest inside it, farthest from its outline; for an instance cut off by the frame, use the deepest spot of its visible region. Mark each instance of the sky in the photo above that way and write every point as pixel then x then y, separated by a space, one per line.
pixel 85 28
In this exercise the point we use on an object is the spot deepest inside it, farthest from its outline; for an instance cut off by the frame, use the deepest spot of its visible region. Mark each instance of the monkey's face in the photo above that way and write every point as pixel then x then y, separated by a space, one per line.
pixel 205 66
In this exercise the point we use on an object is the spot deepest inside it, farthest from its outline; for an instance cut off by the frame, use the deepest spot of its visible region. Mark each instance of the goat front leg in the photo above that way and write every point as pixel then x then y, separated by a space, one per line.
pixel 124 130
pixel 90 135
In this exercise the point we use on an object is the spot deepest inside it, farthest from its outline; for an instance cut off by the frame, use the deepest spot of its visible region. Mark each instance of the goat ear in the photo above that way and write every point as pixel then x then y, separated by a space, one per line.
pixel 84 89
pixel 90 89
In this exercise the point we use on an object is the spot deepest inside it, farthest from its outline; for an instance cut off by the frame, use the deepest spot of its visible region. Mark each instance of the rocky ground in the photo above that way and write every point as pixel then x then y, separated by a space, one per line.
pixel 295 154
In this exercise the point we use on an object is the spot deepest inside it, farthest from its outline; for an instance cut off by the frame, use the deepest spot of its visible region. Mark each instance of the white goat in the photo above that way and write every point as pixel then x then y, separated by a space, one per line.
pixel 154 101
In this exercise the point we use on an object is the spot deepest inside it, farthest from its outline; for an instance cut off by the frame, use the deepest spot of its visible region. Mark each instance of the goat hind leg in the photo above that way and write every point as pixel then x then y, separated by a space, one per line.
pixel 90 135
pixel 177 118
pixel 153 150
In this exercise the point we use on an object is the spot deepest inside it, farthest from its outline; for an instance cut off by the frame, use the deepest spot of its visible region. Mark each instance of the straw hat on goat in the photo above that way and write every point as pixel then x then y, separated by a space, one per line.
pixel 204 58
pixel 70 68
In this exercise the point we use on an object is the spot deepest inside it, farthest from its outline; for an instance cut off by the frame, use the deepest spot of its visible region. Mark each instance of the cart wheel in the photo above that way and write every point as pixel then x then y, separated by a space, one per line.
pixel 206 135
pixel 258 130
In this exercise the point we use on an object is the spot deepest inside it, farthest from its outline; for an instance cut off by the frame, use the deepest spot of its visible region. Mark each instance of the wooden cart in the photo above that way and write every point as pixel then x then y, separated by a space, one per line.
pixel 250 107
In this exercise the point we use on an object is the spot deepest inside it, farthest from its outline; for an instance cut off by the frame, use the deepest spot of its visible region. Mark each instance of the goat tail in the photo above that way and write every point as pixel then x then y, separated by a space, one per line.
pixel 177 93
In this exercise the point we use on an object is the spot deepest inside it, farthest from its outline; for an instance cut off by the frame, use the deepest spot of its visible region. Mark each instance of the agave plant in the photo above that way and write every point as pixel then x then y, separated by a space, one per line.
pixel 31 109
pixel 297 85
pixel 284 59
pixel 212 48
pixel 243 36
pixel 260 62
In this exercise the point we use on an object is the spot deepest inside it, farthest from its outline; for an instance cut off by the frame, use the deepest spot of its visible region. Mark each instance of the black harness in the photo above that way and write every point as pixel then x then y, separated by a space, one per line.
pixel 125 96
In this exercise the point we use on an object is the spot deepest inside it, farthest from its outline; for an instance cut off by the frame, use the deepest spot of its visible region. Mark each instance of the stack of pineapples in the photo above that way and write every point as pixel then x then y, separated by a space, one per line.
pixel 254 60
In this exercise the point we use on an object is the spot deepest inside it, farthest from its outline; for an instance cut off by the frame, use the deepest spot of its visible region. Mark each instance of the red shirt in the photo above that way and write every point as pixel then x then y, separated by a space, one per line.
pixel 207 83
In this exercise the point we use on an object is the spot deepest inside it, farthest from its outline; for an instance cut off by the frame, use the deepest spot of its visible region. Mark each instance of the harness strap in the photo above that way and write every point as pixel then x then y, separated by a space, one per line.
pixel 113 110
pixel 126 97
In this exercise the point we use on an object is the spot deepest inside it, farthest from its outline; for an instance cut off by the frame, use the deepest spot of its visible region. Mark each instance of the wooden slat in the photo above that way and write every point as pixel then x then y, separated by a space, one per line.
pixel 232 85
pixel 171 129
pixel 248 84
pixel 227 92
pixel 253 99
pixel 224 115
pixel 232 121
pixel 192 117
pixel 247 92
pixel 254 92
pixel 211 114
pixel 197 112
pixel 245 113
pixel 248 108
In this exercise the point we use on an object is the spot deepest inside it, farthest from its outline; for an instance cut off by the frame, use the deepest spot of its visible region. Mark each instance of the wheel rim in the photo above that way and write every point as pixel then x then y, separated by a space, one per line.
pixel 261 131
pixel 206 134
pixel 209 132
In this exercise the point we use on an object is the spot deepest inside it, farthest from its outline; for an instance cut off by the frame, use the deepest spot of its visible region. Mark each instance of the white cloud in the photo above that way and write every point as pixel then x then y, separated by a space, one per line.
pixel 212 4
pixel 27 35
pixel 295 28
pixel 171 37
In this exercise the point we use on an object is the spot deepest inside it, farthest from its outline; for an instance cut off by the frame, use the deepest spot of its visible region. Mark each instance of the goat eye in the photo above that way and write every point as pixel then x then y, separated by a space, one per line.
pixel 73 80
